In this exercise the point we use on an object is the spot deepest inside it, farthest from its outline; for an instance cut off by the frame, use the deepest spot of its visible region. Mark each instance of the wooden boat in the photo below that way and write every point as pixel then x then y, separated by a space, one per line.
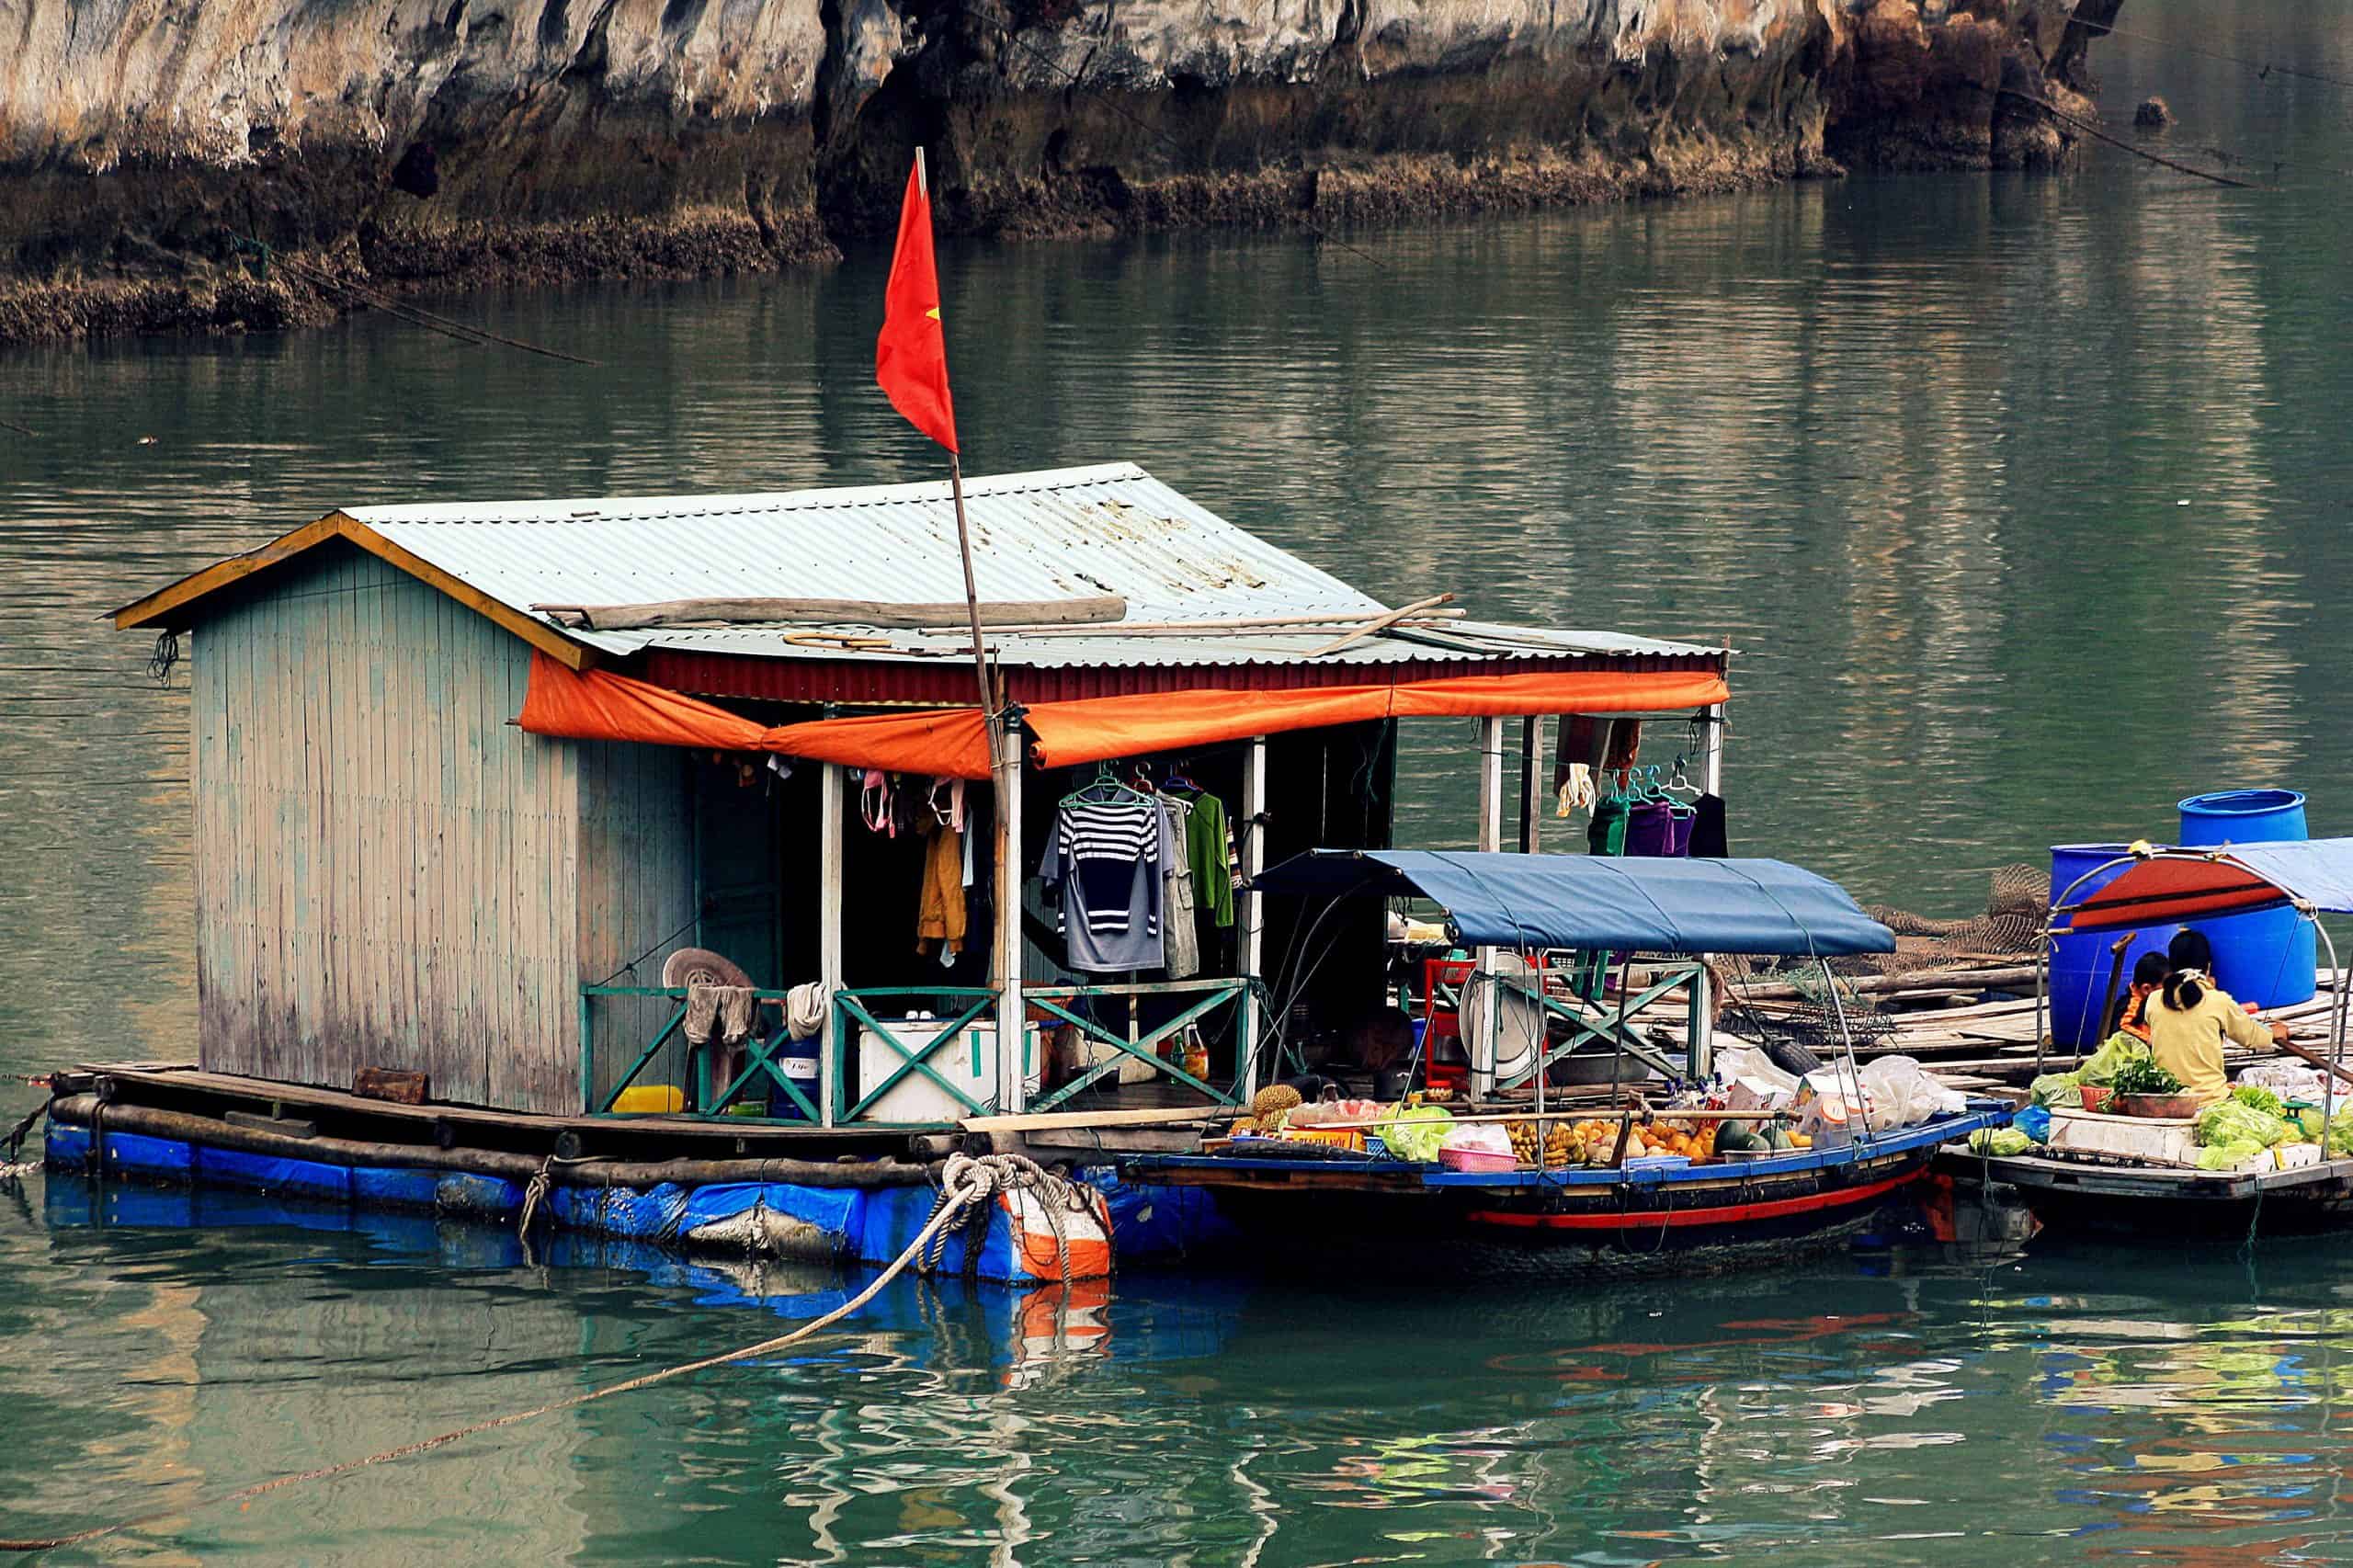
pixel 1308 1213
pixel 1311 1204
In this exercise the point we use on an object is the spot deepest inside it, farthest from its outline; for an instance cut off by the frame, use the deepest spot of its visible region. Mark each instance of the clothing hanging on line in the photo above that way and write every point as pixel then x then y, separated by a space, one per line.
pixel 1709 839
pixel 939 908
pixel 1656 830
pixel 1103 868
pixel 1607 833
pixel 1180 936
pixel 1209 852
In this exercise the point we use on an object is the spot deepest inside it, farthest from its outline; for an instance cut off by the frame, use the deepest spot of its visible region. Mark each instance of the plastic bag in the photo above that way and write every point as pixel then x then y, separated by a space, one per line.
pixel 2119 1048
pixel 1898 1092
pixel 2288 1080
pixel 2058 1089
pixel 1478 1137
pixel 2035 1122
pixel 1999 1141
pixel 2230 1122
pixel 1417 1134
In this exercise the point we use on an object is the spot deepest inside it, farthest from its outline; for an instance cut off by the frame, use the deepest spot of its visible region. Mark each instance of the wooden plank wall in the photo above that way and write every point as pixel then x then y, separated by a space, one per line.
pixel 637 895
pixel 387 871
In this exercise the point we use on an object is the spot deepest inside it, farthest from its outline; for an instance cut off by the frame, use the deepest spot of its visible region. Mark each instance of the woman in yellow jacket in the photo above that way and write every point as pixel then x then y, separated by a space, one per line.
pixel 2189 1020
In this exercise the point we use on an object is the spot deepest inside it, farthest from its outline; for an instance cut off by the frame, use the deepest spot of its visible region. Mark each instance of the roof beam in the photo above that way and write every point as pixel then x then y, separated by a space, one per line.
pixel 157 609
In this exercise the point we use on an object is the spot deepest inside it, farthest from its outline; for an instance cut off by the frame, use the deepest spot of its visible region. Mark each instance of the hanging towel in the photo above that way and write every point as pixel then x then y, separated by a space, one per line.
pixel 722 1010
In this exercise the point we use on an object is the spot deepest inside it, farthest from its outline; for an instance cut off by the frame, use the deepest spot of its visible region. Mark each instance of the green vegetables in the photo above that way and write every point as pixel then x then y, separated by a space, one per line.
pixel 2001 1140
pixel 1416 1134
pixel 2340 1135
pixel 2227 1157
pixel 2261 1099
pixel 2230 1123
pixel 2142 1076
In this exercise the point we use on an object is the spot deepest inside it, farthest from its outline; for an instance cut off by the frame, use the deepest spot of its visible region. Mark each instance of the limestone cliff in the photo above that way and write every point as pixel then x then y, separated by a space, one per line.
pixel 153 151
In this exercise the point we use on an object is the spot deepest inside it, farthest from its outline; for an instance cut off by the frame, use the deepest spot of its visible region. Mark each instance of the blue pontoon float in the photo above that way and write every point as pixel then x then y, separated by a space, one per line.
pixel 1595 1218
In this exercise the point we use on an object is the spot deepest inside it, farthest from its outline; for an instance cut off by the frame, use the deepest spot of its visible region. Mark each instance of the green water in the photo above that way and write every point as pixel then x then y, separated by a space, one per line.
pixel 2025 502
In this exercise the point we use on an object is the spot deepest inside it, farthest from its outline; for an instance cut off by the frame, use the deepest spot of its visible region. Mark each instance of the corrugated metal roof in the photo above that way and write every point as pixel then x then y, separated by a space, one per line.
pixel 1055 534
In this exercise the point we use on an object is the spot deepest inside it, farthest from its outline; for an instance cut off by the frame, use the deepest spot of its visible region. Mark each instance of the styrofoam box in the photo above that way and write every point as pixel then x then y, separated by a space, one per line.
pixel 2156 1140
pixel 969 1062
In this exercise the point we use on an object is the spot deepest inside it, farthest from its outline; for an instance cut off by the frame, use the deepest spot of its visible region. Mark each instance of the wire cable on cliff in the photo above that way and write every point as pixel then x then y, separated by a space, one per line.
pixel 2094 130
pixel 2262 68
pixel 413 314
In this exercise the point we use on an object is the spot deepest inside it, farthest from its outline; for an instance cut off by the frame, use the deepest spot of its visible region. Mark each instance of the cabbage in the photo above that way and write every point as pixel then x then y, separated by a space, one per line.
pixel 1418 1133
pixel 2227 1157
pixel 2340 1135
pixel 2110 1058
pixel 2001 1140
pixel 2258 1096
pixel 2059 1088
pixel 2231 1122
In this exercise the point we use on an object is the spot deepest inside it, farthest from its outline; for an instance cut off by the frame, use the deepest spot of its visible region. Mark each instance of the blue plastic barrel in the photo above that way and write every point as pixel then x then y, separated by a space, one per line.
pixel 2265 960
pixel 798 1059
pixel 2079 965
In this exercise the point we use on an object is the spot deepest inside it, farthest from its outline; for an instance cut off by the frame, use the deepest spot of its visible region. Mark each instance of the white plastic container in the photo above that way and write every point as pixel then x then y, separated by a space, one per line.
pixel 2153 1140
pixel 969 1062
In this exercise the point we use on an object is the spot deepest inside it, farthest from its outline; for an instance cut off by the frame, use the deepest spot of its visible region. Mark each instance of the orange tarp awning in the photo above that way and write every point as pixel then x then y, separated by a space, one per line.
pixel 952 742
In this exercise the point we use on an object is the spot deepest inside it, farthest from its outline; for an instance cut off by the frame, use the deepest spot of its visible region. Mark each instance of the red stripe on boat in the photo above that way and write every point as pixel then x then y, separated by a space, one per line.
pixel 1643 1221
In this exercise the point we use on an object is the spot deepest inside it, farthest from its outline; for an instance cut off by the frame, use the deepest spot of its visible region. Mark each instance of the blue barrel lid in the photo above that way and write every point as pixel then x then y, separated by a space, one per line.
pixel 2241 802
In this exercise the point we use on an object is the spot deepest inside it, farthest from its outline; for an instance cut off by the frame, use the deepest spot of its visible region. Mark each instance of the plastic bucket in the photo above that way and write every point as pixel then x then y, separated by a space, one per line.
pixel 2266 960
pixel 2079 965
pixel 797 1059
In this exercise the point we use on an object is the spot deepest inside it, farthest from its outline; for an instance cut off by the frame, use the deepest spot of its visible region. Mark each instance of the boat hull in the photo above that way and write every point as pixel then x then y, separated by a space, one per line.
pixel 2163 1206
pixel 1315 1215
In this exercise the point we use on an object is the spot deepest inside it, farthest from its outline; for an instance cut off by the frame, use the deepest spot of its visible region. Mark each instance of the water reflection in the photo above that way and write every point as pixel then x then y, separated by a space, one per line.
pixel 1938 1405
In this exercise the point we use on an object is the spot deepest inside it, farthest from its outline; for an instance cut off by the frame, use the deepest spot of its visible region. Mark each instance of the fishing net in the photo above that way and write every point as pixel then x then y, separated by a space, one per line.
pixel 2007 932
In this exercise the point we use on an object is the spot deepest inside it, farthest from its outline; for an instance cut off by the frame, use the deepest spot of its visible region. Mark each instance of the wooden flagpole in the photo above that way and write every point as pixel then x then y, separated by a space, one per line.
pixel 964 539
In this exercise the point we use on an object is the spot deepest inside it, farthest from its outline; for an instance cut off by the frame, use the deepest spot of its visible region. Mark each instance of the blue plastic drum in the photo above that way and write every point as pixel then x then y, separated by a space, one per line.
pixel 2079 965
pixel 2265 960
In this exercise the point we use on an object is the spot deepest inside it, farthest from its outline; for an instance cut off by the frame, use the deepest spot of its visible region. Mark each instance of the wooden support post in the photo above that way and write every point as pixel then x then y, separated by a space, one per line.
pixel 1531 794
pixel 1011 1010
pixel 1251 909
pixel 1491 839
pixel 1700 1026
pixel 832 825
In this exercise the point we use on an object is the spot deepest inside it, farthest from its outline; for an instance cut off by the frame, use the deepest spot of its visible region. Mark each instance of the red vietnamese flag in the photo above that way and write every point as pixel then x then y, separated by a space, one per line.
pixel 911 353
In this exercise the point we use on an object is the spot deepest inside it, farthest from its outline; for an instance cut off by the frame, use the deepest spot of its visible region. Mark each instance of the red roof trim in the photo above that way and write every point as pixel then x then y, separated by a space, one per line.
pixel 932 682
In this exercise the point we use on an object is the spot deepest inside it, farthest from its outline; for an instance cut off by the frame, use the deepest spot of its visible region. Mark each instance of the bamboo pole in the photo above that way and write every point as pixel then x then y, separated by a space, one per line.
pixel 1401 613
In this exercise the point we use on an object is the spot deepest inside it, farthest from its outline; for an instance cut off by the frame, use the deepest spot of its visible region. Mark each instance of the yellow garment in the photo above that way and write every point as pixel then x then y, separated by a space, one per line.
pixel 2188 1043
pixel 939 909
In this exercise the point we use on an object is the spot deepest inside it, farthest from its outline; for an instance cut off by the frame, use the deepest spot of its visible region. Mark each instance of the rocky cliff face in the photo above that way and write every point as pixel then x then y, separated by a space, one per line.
pixel 154 154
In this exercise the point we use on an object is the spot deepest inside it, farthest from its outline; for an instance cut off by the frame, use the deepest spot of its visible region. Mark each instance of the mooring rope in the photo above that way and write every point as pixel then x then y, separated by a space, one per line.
pixel 966 1182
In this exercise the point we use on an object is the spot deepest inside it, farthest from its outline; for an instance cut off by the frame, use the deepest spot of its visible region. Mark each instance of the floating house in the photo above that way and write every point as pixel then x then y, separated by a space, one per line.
pixel 468 777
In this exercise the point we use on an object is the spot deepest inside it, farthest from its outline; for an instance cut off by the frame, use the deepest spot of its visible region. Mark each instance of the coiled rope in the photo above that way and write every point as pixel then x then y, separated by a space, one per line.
pixel 967 1183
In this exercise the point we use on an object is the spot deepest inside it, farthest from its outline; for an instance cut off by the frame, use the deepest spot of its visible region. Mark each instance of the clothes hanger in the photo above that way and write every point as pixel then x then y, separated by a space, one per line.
pixel 1104 788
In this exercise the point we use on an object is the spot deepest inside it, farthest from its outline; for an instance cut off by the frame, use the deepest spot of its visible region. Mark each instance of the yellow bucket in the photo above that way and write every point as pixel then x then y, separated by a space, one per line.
pixel 649 1099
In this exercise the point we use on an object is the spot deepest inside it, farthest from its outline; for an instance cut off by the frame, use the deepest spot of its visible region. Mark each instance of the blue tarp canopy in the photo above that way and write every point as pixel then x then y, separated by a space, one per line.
pixel 1601 902
pixel 2170 886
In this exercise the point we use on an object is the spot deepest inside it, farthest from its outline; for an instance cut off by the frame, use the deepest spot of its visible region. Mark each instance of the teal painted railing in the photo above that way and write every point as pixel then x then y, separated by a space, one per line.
pixel 701 1096
pixel 916 1048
